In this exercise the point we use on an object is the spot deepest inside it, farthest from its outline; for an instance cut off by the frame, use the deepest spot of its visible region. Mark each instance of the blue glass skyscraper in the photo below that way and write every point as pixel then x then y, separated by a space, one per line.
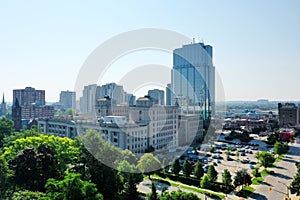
pixel 193 79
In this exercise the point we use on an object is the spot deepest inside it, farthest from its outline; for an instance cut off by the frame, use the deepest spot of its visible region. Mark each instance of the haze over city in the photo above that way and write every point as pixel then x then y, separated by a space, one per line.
pixel 256 45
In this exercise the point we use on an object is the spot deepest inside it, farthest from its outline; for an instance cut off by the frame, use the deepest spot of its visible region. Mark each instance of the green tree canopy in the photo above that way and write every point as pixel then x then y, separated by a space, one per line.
pixel 187 168
pixel 148 163
pixel 212 174
pixel 226 179
pixel 72 187
pixel 280 148
pixel 153 195
pixel 266 159
pixel 6 129
pixel 198 172
pixel 295 184
pixel 242 178
pixel 129 178
pixel 205 182
pixel 176 166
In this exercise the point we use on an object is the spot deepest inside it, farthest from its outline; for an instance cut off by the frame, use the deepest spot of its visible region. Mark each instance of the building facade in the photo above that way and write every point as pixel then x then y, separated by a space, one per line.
pixel 88 99
pixel 193 79
pixel 168 94
pixel 289 115
pixel 157 95
pixel 190 129
pixel 67 99
pixel 33 111
pixel 29 96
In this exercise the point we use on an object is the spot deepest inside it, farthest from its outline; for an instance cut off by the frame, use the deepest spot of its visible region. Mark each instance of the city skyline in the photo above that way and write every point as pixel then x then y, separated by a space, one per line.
pixel 256 44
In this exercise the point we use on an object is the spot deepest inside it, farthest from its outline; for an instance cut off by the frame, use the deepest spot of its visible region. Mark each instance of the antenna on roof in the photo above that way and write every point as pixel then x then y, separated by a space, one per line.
pixel 193 40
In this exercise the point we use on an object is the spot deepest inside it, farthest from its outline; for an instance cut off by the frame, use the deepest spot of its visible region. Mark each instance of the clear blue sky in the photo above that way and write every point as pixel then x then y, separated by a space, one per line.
pixel 256 43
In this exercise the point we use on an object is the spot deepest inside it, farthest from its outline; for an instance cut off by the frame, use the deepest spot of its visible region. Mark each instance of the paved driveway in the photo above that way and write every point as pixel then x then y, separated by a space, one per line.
pixel 284 173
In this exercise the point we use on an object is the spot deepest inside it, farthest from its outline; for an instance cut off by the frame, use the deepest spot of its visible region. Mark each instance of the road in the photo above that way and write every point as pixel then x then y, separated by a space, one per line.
pixel 283 176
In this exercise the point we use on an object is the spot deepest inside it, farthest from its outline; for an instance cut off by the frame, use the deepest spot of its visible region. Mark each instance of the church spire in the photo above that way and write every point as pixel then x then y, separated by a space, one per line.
pixel 3 98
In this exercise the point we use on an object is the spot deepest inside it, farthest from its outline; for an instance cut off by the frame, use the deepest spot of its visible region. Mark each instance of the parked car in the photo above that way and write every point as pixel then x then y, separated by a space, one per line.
pixel 243 154
pixel 272 172
pixel 252 162
pixel 219 161
pixel 215 164
pixel 229 159
pixel 251 166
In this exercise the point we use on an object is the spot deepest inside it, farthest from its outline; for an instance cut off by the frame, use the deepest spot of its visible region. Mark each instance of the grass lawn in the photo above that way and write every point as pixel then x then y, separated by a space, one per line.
pixel 265 172
pixel 245 192
pixel 211 194
pixel 257 180
pixel 279 158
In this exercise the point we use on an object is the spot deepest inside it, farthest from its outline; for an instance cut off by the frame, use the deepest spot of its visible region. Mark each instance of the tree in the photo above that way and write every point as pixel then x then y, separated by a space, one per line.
pixel 237 155
pixel 205 182
pixel 105 177
pixel 46 163
pixel 176 166
pixel 28 195
pixel 212 174
pixel 129 178
pixel 228 151
pixel 256 172
pixel 6 129
pixel 242 178
pixel 198 172
pixel 148 163
pixel 24 166
pixel 272 138
pixel 266 159
pixel 5 174
pixel 226 179
pixel 187 168
pixel 72 187
pixel 153 195
pixel 280 148
pixel 295 184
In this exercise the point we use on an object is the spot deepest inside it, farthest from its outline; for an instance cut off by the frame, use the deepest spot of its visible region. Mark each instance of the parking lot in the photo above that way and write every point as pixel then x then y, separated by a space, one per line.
pixel 245 160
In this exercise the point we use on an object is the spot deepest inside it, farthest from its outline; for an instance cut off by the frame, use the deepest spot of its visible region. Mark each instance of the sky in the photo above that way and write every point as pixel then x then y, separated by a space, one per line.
pixel 43 44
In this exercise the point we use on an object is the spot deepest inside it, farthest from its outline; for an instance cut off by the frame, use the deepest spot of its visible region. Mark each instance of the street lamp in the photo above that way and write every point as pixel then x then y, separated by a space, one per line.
pixel 287 188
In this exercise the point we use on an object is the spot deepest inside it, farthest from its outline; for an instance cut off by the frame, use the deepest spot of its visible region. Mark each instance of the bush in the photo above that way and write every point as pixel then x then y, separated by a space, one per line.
pixel 182 179
pixel 256 172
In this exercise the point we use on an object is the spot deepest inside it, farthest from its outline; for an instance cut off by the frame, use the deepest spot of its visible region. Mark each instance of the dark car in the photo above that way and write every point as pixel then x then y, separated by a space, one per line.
pixel 229 159
pixel 272 172
pixel 243 154
pixel 215 164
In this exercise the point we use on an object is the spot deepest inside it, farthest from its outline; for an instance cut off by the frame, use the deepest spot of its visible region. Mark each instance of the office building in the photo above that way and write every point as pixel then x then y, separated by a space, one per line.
pixel 289 115
pixel 193 79
pixel 32 103
pixel 158 96
pixel 67 99
pixel 168 94
pixel 88 99
pixel 190 129
pixel 29 96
